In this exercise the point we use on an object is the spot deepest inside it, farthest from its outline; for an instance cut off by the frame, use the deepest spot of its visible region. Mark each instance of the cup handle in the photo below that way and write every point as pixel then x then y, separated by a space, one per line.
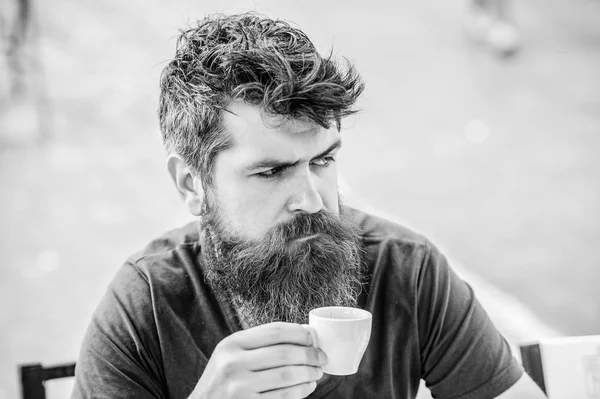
pixel 313 334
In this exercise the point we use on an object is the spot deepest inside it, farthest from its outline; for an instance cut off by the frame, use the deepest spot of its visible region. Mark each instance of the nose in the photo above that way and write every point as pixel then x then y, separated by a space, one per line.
pixel 306 196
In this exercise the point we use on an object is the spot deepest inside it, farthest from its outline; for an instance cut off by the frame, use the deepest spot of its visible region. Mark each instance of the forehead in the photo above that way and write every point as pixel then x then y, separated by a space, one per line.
pixel 254 135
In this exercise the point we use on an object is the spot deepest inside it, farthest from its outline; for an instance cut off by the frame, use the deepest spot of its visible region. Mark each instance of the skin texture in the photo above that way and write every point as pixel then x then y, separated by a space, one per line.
pixel 253 204
pixel 270 361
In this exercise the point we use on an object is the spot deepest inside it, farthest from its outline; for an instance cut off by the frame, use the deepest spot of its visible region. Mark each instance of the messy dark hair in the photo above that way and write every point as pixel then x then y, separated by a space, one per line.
pixel 258 60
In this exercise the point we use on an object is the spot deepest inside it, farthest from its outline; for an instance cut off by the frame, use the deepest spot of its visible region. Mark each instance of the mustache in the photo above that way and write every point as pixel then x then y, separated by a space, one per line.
pixel 296 236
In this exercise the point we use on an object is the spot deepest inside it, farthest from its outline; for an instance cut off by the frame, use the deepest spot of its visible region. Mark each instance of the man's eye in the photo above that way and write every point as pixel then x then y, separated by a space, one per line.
pixel 271 173
pixel 323 162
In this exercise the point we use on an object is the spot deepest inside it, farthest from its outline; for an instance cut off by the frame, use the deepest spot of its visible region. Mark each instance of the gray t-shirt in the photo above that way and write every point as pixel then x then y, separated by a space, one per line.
pixel 159 322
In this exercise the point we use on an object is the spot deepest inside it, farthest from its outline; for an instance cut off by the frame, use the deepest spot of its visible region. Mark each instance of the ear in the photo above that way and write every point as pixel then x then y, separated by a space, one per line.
pixel 187 183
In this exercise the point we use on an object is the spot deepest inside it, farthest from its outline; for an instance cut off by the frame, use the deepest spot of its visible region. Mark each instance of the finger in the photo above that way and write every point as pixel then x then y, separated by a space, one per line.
pixel 297 391
pixel 287 376
pixel 273 334
pixel 282 355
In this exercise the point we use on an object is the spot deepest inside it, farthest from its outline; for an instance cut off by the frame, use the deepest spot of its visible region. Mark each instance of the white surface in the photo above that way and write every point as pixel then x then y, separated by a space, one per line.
pixel 571 367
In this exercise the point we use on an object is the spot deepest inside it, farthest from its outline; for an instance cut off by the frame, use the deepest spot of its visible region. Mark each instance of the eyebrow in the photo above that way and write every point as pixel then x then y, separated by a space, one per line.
pixel 275 163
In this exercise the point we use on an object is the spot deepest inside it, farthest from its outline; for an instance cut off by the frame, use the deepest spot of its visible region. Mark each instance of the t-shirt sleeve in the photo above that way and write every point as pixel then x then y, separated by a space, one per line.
pixel 119 356
pixel 463 354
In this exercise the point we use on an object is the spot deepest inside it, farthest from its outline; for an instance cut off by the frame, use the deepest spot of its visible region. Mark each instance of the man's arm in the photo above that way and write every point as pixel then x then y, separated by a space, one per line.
pixel 524 388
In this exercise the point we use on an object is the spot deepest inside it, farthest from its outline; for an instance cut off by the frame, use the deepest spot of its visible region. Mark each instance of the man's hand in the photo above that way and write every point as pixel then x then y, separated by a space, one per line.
pixel 275 360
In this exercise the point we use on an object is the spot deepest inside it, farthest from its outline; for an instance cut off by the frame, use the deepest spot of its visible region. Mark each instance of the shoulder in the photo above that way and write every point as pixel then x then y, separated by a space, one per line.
pixel 164 264
pixel 175 249
pixel 169 242
pixel 396 257
pixel 380 232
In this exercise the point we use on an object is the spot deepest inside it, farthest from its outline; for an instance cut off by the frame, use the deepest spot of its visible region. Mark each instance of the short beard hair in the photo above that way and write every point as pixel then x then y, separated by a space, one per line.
pixel 310 261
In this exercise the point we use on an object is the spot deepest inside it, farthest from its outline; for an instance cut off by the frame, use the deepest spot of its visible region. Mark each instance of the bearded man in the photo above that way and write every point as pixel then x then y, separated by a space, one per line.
pixel 251 117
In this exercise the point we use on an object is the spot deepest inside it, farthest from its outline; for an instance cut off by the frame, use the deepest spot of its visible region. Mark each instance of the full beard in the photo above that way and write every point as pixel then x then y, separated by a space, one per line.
pixel 310 261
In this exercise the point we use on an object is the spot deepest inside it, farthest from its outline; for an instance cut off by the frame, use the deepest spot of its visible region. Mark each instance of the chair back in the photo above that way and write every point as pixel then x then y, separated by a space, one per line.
pixel 34 376
pixel 564 367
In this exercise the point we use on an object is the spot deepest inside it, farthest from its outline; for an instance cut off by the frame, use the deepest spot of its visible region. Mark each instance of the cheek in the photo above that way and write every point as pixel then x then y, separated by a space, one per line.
pixel 329 189
pixel 250 211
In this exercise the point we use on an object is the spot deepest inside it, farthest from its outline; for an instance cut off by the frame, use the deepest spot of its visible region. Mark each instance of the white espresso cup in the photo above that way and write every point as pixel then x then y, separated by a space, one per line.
pixel 343 334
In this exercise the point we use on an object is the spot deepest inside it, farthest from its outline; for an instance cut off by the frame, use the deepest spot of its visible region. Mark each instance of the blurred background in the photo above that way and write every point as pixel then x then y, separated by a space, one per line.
pixel 491 155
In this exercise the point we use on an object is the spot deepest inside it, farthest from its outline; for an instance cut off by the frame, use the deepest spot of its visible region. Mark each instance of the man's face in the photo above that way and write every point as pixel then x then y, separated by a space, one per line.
pixel 275 240
pixel 275 170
